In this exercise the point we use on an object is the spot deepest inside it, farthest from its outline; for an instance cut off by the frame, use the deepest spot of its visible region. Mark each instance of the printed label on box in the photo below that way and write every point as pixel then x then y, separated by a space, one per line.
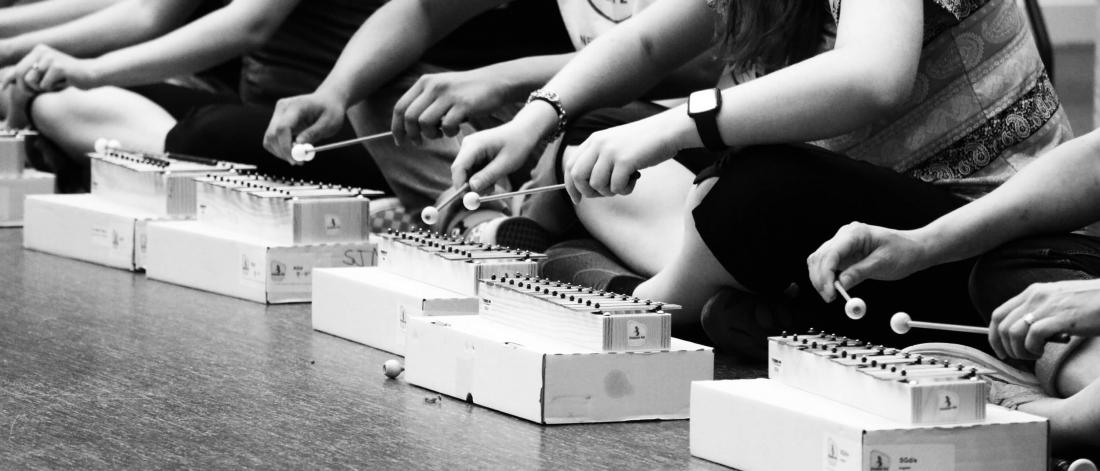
pixel 250 270
pixel 911 458
pixel 840 454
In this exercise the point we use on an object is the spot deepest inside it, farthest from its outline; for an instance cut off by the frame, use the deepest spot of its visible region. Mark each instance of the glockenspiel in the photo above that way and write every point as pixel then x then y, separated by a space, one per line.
pixel 451 262
pixel 578 315
pixel 154 183
pixel 282 211
pixel 910 388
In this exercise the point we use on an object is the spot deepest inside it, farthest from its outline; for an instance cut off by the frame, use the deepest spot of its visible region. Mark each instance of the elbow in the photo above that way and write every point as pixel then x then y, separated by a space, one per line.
pixel 884 92
pixel 256 33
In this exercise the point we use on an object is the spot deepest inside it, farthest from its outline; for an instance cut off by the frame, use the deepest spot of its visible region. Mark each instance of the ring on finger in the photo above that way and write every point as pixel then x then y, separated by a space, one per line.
pixel 36 67
pixel 1028 319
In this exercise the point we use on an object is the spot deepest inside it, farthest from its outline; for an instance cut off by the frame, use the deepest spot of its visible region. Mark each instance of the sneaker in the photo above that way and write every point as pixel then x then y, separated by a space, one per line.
pixel 389 213
pixel 515 232
pixel 1009 386
pixel 587 262
pixel 739 322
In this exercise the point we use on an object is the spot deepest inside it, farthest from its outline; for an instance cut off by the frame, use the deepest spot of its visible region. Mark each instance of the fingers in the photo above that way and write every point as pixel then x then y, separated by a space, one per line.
pixel 581 172
pixel 600 180
pixel 1041 330
pixel 325 125
pixel 54 78
pixel 471 153
pixel 822 265
pixel 997 322
pixel 411 118
pixel 568 158
pixel 280 131
pixel 623 179
pixel 451 122
pixel 397 124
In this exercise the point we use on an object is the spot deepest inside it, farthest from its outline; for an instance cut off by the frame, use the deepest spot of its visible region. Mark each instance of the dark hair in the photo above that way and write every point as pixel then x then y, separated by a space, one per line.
pixel 770 34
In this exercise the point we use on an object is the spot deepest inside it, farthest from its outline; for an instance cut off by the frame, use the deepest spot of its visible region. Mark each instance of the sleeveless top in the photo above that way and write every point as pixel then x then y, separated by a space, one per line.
pixel 981 107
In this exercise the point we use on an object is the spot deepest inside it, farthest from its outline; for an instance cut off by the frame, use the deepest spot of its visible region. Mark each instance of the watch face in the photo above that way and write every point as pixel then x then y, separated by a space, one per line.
pixel 702 101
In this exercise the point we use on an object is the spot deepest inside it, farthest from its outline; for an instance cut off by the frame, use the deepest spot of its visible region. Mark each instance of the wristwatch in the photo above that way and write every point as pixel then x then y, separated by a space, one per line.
pixel 703 107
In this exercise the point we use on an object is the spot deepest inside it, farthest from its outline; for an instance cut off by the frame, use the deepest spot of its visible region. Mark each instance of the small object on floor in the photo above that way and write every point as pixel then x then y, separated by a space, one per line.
pixel 855 308
pixel 436 399
pixel 392 368
pixel 1082 465
pixel 901 323
pixel 430 214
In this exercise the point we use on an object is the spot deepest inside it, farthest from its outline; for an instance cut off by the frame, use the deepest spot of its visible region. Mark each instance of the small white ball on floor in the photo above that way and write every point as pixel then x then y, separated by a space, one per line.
pixel 855 308
pixel 429 215
pixel 1082 465
pixel 471 200
pixel 392 368
pixel 302 152
pixel 900 323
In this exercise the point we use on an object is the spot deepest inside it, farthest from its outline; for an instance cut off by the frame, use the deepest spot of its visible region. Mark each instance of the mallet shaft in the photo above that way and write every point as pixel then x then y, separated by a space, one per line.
pixel 337 145
pixel 530 191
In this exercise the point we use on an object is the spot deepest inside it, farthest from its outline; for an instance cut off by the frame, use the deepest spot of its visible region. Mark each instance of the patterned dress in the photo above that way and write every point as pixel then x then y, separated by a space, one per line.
pixel 982 106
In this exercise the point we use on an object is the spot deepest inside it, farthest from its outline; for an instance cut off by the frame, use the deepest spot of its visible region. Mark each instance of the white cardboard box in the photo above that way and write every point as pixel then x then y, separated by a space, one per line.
pixel 545 381
pixel 195 255
pixel 14 189
pixel 764 425
pixel 372 306
pixel 85 227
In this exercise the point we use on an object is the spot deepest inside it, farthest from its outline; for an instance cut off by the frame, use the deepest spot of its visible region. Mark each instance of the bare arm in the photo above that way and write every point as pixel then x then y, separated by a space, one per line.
pixel 21 19
pixel 122 24
pixel 391 40
pixel 1059 192
pixel 226 33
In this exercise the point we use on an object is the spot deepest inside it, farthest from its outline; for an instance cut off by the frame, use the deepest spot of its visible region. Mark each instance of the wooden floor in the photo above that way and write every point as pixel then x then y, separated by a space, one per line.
pixel 101 368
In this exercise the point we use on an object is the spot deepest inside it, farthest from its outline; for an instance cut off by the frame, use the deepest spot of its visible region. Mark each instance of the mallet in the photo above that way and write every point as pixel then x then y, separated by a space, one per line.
pixel 304 152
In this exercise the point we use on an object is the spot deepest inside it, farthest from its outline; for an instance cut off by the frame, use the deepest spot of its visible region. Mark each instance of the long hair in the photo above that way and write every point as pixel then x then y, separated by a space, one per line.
pixel 770 34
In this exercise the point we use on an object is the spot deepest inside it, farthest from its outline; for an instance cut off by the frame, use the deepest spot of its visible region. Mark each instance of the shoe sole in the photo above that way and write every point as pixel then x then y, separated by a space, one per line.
pixel 957 352
pixel 524 234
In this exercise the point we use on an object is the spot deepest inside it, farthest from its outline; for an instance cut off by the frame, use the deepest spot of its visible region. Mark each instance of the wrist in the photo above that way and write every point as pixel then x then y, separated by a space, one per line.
pixel 683 133
pixel 336 92
pixel 929 245
pixel 538 116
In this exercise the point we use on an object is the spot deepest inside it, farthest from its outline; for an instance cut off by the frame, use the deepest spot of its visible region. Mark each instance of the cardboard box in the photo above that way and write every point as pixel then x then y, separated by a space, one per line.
pixel 85 227
pixel 546 381
pixel 764 425
pixel 195 255
pixel 14 146
pixel 15 189
pixel 372 306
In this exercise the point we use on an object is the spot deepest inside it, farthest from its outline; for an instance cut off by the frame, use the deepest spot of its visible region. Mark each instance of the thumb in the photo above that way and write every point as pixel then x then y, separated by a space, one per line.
pixel 859 272
pixel 493 171
pixel 321 128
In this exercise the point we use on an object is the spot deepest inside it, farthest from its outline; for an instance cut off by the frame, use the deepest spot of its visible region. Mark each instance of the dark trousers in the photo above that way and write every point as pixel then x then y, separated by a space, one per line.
pixel 220 126
pixel 775 205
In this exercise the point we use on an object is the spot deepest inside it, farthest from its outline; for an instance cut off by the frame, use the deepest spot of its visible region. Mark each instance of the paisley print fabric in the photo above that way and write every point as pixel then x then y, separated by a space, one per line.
pixel 981 106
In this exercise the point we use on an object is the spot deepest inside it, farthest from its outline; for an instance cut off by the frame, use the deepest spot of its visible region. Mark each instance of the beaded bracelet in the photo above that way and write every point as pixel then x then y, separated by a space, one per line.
pixel 554 101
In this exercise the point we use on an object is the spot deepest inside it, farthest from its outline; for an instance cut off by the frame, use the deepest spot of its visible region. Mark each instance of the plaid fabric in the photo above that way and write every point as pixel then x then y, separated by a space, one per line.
pixel 388 213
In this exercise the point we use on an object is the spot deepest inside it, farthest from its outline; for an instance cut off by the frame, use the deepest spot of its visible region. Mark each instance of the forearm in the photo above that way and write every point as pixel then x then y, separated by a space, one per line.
pixel 205 42
pixel 629 60
pixel 119 25
pixel 1059 192
pixel 25 18
pixel 392 40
